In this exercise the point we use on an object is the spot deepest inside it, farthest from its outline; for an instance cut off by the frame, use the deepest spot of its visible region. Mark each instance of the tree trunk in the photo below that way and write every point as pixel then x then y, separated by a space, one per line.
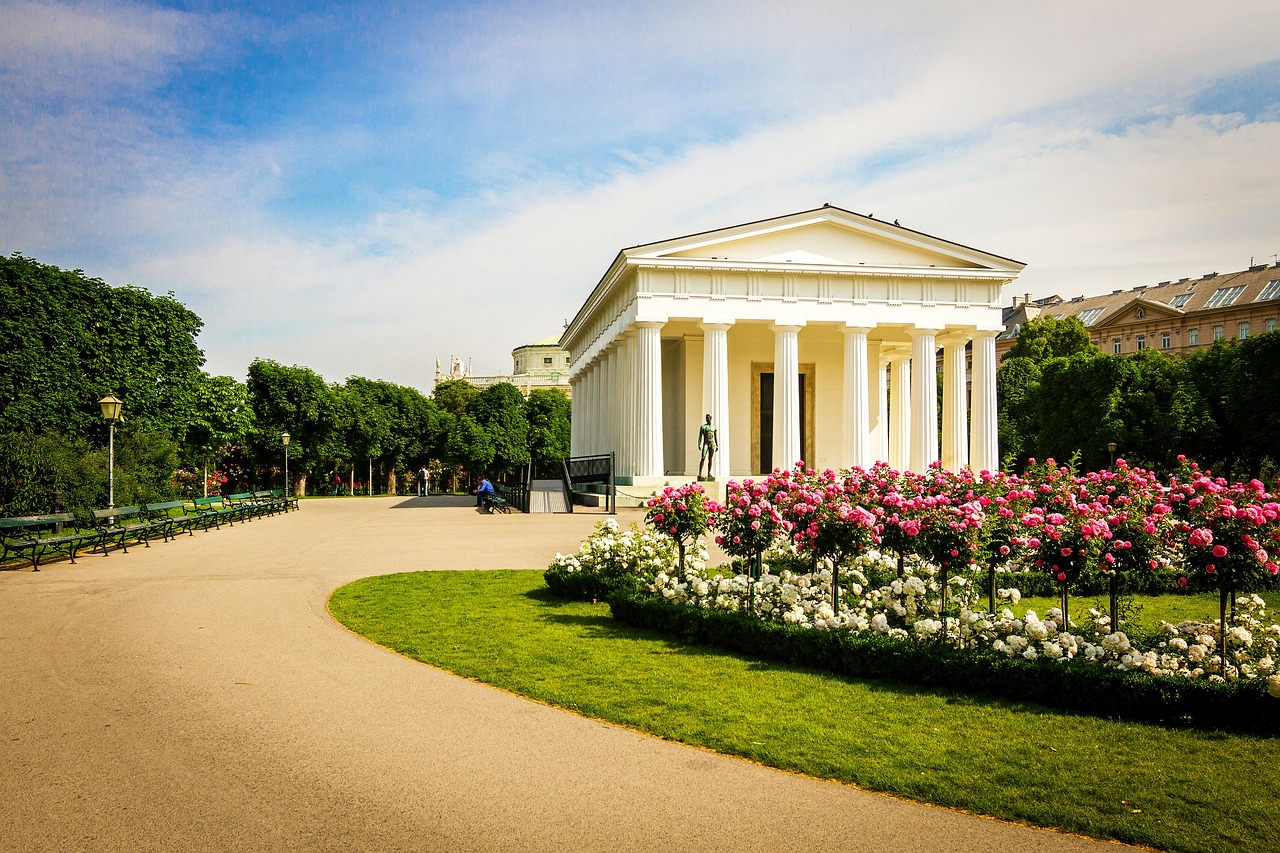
pixel 299 484
pixel 391 480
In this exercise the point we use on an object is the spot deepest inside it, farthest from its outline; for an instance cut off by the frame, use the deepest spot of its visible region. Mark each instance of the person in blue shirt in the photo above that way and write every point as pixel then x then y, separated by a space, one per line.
pixel 485 488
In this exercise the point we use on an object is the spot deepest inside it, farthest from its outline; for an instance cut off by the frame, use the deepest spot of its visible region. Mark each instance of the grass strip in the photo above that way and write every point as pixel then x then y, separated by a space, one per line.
pixel 1178 790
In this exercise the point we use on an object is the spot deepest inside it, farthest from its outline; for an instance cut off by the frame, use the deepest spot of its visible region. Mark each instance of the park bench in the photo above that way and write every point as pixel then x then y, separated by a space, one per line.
pixel 172 518
pixel 124 524
pixel 245 505
pixel 212 511
pixel 37 535
pixel 496 502
pixel 269 502
pixel 290 502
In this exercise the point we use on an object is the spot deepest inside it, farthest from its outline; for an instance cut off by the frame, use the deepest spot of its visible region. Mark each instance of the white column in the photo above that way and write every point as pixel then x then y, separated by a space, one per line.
pixel 881 443
pixel 715 391
pixel 649 458
pixel 589 410
pixel 955 432
pixel 924 399
pixel 984 444
pixel 613 401
pixel 575 415
pixel 786 395
pixel 597 390
pixel 900 410
pixel 626 408
pixel 857 405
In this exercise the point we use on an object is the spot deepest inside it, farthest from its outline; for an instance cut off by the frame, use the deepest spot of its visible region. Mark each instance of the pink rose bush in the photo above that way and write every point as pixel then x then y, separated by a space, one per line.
pixel 898 554
pixel 683 513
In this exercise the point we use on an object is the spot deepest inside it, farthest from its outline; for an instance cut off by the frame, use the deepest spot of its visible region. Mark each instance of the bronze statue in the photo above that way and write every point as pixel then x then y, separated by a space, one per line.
pixel 708 443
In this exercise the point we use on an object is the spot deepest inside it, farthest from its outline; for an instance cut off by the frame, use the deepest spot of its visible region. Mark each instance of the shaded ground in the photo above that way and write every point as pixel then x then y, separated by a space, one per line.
pixel 197 695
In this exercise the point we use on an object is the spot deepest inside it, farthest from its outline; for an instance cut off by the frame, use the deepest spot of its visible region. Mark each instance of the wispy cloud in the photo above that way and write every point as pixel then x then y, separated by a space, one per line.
pixel 455 181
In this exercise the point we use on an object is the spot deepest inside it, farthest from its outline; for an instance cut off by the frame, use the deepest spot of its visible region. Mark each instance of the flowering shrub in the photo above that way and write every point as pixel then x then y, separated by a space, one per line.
pixel 612 557
pixel 683 513
pixel 882 553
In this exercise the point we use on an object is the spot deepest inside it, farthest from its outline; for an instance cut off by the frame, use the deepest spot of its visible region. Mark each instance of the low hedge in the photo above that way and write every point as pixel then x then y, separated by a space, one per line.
pixel 586 586
pixel 1071 686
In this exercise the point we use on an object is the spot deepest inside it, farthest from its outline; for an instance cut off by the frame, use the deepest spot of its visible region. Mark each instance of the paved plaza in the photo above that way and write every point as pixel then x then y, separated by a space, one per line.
pixel 197 695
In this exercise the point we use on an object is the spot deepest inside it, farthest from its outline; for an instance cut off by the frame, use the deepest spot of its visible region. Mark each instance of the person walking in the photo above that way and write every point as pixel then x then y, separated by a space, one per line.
pixel 424 481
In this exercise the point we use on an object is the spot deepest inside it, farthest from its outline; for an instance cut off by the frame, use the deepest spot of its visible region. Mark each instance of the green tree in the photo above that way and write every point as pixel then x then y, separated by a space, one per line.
pixel 294 400
pixel 1253 397
pixel 499 411
pixel 547 412
pixel 1048 337
pixel 1081 406
pixel 70 339
pixel 221 417
pixel 1018 393
pixel 454 395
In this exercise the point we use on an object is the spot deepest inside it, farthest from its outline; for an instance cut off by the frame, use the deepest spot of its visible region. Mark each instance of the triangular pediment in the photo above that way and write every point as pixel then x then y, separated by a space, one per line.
pixel 828 236
pixel 1137 311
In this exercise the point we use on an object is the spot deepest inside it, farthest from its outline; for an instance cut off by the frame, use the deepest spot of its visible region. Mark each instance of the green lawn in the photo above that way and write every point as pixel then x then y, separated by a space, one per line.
pixel 1173 789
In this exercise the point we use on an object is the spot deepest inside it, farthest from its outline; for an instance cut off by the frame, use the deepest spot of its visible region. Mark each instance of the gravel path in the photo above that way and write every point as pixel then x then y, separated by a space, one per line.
pixel 198 696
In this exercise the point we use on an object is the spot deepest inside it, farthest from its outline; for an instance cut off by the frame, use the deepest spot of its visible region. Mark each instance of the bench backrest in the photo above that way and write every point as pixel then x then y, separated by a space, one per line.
pixel 19 522
pixel 166 507
pixel 116 512
pixel 243 496
pixel 210 501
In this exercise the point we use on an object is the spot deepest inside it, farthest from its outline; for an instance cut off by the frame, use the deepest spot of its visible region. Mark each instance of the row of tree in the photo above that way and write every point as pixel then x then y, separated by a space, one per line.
pixel 1060 397
pixel 69 339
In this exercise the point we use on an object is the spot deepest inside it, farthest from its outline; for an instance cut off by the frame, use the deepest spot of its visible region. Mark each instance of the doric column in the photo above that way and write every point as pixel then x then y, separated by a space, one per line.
pixel 786 395
pixel 924 399
pixel 649 459
pixel 857 404
pixel 592 417
pixel 627 405
pixel 575 415
pixel 880 443
pixel 984 444
pixel 612 400
pixel 955 431
pixel 900 409
pixel 715 391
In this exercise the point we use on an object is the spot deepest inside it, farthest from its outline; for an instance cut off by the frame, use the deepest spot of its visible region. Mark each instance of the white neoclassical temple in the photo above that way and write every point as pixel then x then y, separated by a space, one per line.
pixel 812 337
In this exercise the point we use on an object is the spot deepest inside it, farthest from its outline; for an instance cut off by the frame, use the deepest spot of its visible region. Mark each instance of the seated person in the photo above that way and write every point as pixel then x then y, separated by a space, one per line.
pixel 483 491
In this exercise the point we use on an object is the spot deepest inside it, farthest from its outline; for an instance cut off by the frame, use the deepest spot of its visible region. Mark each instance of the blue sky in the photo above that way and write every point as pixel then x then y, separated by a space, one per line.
pixel 362 188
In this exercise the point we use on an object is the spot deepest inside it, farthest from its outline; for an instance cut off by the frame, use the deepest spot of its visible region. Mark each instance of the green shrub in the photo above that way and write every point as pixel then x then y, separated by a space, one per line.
pixel 1072 686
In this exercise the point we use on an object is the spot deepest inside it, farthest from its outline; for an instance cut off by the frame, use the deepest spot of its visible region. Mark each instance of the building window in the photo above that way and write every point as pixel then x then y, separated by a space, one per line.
pixel 1141 313
pixel 1181 299
pixel 1193 337
pixel 1217 333
pixel 1244 331
pixel 1271 325
pixel 1225 296
pixel 1087 317
pixel 1166 340
pixel 546 361
pixel 1271 291
pixel 1142 341
pixel 1115 346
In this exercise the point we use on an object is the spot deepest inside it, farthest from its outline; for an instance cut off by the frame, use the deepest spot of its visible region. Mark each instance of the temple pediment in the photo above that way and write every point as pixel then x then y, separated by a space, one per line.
pixel 828 236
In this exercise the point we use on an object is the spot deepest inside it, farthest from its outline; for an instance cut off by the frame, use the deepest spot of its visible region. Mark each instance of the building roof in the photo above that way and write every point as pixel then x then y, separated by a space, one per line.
pixel 549 341
pixel 1175 298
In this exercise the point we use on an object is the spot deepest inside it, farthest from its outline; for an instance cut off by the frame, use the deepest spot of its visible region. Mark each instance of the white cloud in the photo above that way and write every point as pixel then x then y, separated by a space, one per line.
pixel 1056 134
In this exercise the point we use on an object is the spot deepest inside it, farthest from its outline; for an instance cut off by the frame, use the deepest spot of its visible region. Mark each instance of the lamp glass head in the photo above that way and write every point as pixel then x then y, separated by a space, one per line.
pixel 284 436
pixel 110 407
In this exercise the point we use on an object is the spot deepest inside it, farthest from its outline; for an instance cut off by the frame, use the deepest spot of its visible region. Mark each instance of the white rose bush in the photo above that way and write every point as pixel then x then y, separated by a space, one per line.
pixel 880 573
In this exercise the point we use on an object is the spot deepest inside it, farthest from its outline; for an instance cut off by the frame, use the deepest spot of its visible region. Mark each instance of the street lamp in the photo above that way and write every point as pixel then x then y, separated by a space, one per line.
pixel 284 437
pixel 111 413
pixel 1111 447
